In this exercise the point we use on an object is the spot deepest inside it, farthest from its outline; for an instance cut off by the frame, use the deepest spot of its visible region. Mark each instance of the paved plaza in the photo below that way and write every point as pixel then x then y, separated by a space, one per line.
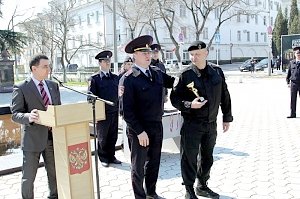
pixel 259 158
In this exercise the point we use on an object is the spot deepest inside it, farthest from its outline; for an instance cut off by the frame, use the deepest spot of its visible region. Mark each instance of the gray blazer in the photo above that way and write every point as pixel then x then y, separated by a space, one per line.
pixel 25 98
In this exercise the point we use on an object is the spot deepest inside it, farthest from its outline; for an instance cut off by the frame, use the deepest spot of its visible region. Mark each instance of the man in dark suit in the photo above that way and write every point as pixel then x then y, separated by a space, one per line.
pixel 293 80
pixel 142 106
pixel 35 93
pixel 104 84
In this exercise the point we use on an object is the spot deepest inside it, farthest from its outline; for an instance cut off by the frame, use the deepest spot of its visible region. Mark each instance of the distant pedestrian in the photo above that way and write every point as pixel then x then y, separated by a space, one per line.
pixel 293 80
pixel 104 84
pixel 252 65
pixel 278 63
pixel 200 92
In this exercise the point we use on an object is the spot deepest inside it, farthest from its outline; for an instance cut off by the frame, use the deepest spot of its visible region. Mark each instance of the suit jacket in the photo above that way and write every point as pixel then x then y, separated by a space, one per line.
pixel 25 98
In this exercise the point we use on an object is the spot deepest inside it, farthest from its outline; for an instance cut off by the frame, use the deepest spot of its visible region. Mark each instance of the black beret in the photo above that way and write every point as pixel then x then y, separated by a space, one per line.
pixel 155 47
pixel 296 48
pixel 141 43
pixel 196 45
pixel 128 59
pixel 104 55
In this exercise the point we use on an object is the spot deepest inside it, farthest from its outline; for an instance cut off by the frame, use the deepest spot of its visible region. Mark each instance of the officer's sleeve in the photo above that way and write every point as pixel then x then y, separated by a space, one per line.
pixel 225 100
pixel 177 97
pixel 129 108
pixel 288 74
pixel 92 87
pixel 168 80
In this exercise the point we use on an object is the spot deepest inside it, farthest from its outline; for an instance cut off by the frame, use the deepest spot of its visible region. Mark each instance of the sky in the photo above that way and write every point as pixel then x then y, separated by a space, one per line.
pixel 25 9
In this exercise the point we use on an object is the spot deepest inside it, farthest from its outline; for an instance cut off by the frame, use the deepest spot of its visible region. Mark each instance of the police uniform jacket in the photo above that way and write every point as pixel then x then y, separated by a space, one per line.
pixel 159 64
pixel 105 88
pixel 293 74
pixel 211 85
pixel 142 99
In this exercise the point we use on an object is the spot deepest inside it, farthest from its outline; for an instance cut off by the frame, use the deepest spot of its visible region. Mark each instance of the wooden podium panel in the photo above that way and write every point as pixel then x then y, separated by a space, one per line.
pixel 72 150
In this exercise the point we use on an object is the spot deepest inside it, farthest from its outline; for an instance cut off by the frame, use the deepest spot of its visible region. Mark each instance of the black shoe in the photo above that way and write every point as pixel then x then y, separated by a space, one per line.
pixel 190 193
pixel 206 192
pixel 291 116
pixel 116 161
pixel 105 164
pixel 155 196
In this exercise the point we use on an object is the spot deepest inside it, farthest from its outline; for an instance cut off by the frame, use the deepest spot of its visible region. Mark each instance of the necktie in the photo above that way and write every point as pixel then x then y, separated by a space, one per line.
pixel 149 74
pixel 44 94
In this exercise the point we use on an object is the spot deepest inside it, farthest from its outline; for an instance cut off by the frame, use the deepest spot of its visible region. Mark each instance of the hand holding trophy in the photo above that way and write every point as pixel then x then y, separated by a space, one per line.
pixel 191 87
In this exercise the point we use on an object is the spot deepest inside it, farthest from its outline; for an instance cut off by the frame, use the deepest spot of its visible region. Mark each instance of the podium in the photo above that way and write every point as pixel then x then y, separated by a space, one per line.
pixel 71 140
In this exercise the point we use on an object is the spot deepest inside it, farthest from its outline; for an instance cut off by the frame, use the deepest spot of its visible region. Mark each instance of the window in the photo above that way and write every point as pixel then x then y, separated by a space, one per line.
pixel 182 9
pixel 99 36
pixel 97 16
pixel 89 38
pixel 256 3
pixel 217 13
pixel 185 55
pixel 256 19
pixel 79 20
pixel 265 20
pixel 205 33
pixel 238 18
pixel 169 54
pixel 264 36
pixel 256 37
pixel 248 36
pixel 88 19
pixel 183 31
pixel 272 21
pixel 248 18
pixel 239 35
pixel 271 5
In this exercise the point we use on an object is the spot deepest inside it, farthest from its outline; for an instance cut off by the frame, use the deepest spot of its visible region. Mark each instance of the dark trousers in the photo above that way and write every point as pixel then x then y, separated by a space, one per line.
pixel 107 133
pixel 145 161
pixel 295 89
pixel 197 145
pixel 30 166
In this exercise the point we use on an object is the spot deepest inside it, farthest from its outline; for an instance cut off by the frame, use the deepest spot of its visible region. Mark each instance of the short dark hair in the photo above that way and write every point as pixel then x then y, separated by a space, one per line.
pixel 36 60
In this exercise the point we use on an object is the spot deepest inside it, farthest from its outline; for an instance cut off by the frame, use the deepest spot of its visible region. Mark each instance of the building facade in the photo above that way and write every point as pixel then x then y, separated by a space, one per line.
pixel 242 36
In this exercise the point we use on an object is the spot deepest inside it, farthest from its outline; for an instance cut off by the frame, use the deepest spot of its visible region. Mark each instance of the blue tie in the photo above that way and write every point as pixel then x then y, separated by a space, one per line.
pixel 148 74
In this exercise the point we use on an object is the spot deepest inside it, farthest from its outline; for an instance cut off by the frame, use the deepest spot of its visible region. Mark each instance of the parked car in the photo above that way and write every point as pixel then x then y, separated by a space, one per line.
pixel 261 65
pixel 245 66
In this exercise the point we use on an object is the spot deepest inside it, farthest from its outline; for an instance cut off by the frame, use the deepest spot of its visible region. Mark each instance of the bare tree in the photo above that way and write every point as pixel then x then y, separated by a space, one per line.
pixel 134 12
pixel 225 10
pixel 168 16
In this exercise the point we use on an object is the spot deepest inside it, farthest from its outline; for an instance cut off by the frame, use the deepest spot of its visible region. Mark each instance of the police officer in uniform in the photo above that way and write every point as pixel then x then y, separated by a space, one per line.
pixel 155 49
pixel 104 84
pixel 142 105
pixel 293 80
pixel 200 91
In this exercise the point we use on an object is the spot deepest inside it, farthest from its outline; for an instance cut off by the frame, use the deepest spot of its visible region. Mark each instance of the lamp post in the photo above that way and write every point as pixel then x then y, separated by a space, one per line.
pixel 115 38
pixel 231 45
pixel 269 30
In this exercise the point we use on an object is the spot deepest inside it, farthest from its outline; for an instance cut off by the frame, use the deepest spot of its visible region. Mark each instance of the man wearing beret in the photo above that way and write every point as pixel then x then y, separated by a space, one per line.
pixel 104 84
pixel 200 91
pixel 142 106
pixel 155 49
pixel 293 80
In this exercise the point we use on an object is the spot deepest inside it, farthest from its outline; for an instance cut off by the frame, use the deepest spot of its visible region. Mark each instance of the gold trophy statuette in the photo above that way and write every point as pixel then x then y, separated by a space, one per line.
pixel 190 86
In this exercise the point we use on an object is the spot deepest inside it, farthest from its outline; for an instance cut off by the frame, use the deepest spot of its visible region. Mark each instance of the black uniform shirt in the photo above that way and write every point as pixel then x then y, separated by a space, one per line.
pixel 293 72
pixel 106 88
pixel 142 98
pixel 159 64
pixel 210 83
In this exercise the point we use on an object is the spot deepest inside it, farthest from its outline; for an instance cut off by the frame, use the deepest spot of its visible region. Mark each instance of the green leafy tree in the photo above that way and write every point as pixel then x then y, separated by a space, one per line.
pixel 12 41
pixel 294 13
pixel 294 28
pixel 279 29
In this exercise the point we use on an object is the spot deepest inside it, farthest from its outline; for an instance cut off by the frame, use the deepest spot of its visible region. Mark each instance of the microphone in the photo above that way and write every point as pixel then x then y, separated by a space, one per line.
pixel 60 82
